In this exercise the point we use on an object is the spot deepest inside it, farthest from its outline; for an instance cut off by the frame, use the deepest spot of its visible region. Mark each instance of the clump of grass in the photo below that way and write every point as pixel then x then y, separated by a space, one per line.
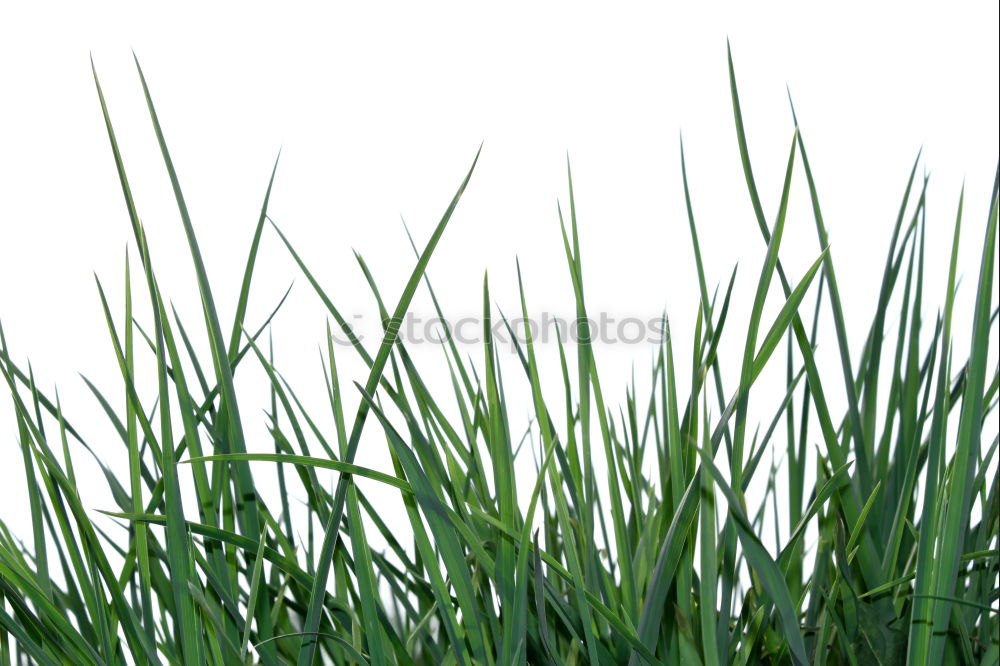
pixel 658 560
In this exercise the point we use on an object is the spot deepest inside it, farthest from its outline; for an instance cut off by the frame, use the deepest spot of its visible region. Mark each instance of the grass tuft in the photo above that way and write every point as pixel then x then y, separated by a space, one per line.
pixel 636 545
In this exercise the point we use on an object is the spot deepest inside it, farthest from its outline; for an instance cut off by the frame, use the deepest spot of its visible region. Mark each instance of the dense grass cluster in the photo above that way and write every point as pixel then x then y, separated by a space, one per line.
pixel 656 558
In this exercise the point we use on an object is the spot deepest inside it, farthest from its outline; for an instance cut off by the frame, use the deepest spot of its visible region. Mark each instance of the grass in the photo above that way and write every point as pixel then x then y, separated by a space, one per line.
pixel 892 556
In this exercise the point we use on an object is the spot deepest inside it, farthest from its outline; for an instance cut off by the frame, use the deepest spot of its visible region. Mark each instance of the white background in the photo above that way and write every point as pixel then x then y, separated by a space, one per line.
pixel 379 109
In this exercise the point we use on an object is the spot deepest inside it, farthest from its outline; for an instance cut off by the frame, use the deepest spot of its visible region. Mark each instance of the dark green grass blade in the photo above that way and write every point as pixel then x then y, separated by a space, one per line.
pixel 443 530
pixel 763 283
pixel 241 305
pixel 765 567
pixel 955 519
pixel 869 559
pixel 308 648
pixel 323 463
pixel 246 502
